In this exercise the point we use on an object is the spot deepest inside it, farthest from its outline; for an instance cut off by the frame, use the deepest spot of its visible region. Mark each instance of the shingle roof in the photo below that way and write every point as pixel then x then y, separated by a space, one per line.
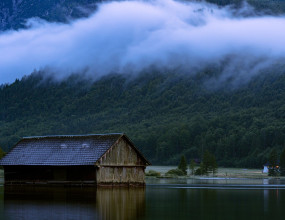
pixel 60 150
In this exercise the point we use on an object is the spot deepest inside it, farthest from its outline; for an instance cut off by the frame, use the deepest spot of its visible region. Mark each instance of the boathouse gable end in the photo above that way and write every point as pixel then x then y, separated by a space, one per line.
pixel 122 152
pixel 122 164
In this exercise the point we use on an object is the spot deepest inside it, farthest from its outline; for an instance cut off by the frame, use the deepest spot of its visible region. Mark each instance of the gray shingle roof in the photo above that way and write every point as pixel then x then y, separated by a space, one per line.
pixel 60 150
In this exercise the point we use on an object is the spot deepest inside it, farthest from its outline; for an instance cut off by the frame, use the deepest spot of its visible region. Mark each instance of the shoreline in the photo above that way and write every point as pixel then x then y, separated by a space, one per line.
pixel 215 178
pixel 222 173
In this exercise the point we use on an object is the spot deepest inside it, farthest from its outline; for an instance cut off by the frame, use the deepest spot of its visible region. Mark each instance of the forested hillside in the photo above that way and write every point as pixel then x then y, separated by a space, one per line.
pixel 165 114
pixel 14 13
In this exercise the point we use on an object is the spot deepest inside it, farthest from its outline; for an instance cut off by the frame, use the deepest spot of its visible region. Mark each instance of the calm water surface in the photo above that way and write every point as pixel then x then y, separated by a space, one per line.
pixel 161 199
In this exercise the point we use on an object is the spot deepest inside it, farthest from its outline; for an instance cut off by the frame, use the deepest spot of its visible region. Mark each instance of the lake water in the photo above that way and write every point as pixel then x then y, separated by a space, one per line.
pixel 161 199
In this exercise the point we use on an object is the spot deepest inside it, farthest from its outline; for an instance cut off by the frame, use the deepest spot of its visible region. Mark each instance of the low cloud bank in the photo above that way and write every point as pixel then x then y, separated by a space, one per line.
pixel 129 36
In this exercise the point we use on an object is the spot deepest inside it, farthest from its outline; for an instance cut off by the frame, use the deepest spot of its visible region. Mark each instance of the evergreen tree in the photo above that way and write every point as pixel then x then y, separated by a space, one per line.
pixel 183 165
pixel 192 166
pixel 213 166
pixel 273 162
pixel 282 163
pixel 203 169
pixel 209 163
pixel 206 162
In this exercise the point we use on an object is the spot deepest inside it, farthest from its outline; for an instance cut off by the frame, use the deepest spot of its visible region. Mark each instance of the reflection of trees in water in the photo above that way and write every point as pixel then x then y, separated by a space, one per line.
pixel 158 203
pixel 73 203
pixel 214 203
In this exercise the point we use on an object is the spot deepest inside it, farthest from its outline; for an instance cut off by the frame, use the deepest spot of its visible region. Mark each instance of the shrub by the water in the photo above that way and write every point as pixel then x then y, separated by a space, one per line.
pixel 198 172
pixel 153 173
pixel 175 172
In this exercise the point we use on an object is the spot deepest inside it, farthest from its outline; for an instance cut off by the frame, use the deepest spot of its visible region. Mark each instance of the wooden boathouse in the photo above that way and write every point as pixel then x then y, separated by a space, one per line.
pixel 101 159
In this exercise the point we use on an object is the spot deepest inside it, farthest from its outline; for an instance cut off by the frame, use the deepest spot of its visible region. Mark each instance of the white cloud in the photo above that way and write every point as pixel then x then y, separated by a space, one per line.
pixel 128 36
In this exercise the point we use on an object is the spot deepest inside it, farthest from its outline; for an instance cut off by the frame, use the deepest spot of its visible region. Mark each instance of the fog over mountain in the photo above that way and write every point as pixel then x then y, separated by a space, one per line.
pixel 172 49
pixel 127 37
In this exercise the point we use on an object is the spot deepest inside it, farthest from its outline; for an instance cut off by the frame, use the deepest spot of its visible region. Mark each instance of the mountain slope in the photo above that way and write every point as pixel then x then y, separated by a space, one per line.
pixel 14 13
pixel 166 115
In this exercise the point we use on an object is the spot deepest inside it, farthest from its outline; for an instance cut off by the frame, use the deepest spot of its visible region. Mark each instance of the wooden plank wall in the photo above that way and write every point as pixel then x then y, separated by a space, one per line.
pixel 121 165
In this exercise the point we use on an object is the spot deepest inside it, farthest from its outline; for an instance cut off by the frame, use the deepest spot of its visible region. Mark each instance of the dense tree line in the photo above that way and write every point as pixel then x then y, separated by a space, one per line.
pixel 166 114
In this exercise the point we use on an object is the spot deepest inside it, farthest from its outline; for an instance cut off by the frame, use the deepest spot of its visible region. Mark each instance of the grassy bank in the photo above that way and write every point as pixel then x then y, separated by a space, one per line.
pixel 222 172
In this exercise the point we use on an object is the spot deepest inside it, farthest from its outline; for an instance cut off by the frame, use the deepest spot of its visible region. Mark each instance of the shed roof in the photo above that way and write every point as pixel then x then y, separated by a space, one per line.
pixel 61 150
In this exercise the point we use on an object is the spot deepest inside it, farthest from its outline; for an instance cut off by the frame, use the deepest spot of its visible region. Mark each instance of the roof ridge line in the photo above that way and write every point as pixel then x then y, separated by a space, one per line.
pixel 79 135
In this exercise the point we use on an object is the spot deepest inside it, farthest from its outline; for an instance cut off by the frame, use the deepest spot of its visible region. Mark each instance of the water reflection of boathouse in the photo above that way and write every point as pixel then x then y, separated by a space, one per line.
pixel 110 159
pixel 28 202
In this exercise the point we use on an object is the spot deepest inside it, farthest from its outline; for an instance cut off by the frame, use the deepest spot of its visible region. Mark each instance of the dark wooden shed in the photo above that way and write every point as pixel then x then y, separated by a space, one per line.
pixel 102 159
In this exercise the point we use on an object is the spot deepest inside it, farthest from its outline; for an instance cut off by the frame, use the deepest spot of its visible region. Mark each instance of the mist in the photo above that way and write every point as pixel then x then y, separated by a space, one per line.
pixel 127 37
